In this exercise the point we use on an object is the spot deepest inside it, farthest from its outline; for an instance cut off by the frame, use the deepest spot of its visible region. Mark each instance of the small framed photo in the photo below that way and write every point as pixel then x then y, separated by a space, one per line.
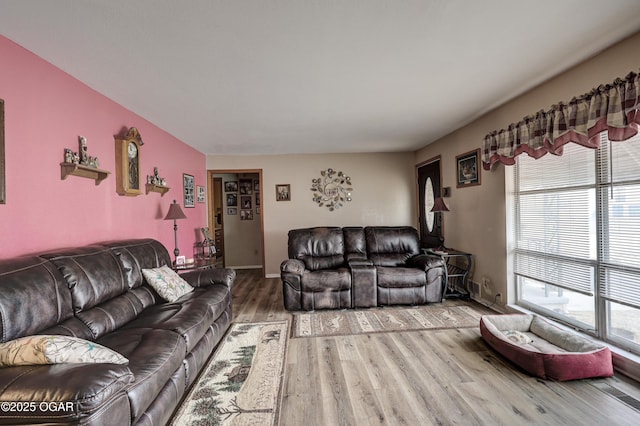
pixel 200 193
pixel 181 260
pixel 189 190
pixel 246 214
pixel 232 200
pixel 246 186
pixel 468 170
pixel 232 211
pixel 245 202
pixel 231 186
pixel 283 192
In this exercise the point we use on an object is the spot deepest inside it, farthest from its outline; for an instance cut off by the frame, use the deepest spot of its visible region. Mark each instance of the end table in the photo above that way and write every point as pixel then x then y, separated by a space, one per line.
pixel 456 273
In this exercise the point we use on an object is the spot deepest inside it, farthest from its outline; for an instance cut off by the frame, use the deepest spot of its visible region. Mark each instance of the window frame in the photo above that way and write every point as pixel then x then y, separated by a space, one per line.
pixel 602 311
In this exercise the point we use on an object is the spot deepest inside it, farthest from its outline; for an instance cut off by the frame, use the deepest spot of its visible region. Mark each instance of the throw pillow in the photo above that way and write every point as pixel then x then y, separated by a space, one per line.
pixel 517 337
pixel 53 349
pixel 167 283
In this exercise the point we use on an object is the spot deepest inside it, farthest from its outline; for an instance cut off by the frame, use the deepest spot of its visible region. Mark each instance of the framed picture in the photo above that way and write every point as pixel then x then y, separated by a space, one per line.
pixel 189 194
pixel 283 192
pixel 200 193
pixel 246 186
pixel 181 260
pixel 246 214
pixel 232 210
pixel 245 202
pixel 3 194
pixel 232 200
pixel 468 170
pixel 231 186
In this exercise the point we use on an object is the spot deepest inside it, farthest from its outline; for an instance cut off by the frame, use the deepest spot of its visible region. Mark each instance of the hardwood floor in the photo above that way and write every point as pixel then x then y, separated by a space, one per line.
pixel 439 377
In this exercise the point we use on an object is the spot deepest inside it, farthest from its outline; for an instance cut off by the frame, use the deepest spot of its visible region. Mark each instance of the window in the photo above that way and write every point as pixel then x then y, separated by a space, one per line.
pixel 576 238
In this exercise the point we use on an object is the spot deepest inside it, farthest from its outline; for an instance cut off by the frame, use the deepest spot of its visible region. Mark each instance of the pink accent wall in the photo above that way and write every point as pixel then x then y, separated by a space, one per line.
pixel 45 112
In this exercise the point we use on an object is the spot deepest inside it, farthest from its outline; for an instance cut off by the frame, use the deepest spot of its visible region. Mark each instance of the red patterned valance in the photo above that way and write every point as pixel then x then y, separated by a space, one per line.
pixel 613 107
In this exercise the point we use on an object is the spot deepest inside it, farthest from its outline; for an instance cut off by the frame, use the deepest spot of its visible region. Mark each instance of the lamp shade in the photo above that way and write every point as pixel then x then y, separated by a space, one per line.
pixel 439 205
pixel 175 212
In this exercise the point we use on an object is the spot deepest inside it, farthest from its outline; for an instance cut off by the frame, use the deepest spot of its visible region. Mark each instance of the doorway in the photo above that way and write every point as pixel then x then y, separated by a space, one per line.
pixel 236 215
pixel 428 190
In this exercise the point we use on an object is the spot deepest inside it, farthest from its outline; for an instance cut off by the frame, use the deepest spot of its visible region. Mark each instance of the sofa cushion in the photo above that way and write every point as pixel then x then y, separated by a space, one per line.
pixel 190 317
pixel 31 285
pixel 391 245
pixel 154 356
pixel 51 349
pixel 326 280
pixel 318 248
pixel 137 254
pixel 398 277
pixel 167 283
pixel 84 390
pixel 93 274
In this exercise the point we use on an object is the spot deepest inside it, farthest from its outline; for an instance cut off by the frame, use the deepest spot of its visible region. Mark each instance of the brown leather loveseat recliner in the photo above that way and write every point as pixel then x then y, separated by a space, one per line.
pixel 97 293
pixel 358 267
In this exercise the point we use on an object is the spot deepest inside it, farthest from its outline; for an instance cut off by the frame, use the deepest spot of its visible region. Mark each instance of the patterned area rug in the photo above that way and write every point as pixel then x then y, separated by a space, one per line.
pixel 242 384
pixel 378 320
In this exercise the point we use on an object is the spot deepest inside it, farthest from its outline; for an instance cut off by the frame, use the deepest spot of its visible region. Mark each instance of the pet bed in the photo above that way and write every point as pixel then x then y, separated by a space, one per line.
pixel 545 350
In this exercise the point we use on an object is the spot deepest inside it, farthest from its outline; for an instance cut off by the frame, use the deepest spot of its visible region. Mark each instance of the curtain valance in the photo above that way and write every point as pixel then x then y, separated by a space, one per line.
pixel 613 107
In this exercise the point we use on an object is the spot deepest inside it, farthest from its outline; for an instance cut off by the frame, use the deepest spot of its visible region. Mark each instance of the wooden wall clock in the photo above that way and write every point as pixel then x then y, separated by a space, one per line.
pixel 128 163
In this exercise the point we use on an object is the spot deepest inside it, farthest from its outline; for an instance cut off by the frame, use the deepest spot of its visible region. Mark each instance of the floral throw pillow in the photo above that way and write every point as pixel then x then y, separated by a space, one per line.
pixel 53 349
pixel 167 283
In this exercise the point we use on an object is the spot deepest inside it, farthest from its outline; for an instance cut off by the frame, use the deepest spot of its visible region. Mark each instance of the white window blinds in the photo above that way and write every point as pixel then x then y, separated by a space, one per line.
pixel 578 220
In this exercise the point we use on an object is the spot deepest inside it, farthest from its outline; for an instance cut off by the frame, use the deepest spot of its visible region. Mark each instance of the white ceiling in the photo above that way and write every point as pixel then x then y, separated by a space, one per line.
pixel 314 76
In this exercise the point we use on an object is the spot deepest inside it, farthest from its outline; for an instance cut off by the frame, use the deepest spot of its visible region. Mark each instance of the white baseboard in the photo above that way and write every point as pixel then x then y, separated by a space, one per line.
pixel 272 276
pixel 245 267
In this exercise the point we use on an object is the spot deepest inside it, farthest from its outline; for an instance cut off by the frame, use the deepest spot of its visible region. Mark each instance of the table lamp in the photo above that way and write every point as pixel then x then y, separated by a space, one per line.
pixel 438 207
pixel 175 213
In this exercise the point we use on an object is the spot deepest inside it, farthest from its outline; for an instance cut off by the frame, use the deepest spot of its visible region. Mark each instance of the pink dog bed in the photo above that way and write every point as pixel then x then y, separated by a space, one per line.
pixel 545 350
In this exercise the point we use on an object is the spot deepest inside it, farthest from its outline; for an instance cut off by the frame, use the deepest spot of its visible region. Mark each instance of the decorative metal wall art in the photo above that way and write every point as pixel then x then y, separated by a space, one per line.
pixel 330 190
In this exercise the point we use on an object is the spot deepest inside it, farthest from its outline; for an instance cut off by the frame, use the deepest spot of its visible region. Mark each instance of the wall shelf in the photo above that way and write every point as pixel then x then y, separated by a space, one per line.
pixel 157 188
pixel 73 169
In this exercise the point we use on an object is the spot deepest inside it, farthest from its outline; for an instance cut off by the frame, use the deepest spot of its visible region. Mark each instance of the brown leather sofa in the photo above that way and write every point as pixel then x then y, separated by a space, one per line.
pixel 98 293
pixel 359 267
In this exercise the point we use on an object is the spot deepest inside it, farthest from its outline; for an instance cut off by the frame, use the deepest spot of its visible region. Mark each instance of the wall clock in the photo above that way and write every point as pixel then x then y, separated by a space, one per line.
pixel 128 163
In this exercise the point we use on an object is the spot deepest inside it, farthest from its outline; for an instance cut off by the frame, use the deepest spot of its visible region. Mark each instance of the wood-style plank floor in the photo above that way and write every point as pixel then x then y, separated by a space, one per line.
pixel 435 377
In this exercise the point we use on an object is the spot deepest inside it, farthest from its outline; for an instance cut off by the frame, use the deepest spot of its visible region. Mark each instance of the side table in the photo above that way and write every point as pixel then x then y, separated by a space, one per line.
pixel 456 273
pixel 205 263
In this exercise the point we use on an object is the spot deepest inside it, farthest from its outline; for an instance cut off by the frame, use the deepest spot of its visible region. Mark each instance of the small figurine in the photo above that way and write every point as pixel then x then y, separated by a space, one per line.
pixel 84 159
pixel 68 156
pixel 76 158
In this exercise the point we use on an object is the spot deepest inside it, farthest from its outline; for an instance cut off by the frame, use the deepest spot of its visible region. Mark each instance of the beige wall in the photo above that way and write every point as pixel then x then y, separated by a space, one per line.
pixel 476 222
pixel 383 193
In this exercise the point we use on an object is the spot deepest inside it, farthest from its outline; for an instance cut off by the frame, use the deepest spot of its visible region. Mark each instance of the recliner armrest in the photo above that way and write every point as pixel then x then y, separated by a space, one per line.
pixel 359 261
pixel 294 266
pixel 426 261
pixel 207 277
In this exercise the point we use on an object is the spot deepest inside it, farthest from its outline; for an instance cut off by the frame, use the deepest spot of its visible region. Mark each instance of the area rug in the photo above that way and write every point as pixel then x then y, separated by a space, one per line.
pixel 378 320
pixel 242 384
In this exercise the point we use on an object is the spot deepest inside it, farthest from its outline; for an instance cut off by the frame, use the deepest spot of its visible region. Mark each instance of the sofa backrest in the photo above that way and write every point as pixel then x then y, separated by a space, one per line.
pixel 33 297
pixel 318 248
pixel 391 245
pixel 138 254
pixel 355 246
pixel 105 281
